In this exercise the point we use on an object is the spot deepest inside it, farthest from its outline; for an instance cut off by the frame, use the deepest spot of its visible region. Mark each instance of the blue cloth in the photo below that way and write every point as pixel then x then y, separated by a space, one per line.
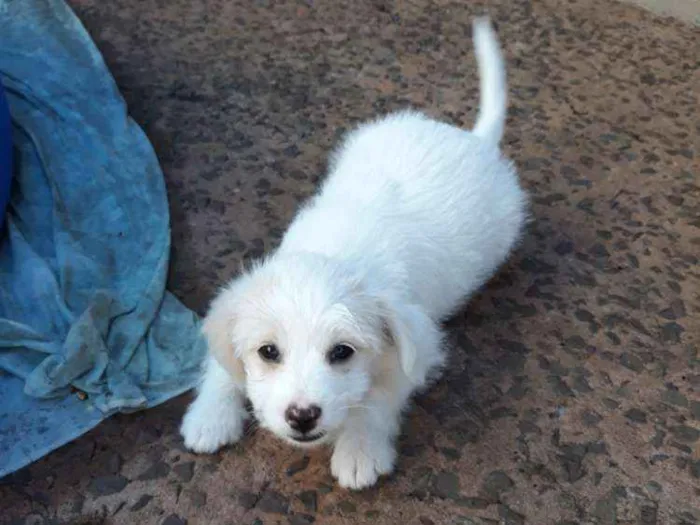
pixel 5 154
pixel 84 259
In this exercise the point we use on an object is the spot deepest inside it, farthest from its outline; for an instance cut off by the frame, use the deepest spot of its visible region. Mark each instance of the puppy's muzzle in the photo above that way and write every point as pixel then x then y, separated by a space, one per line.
pixel 302 420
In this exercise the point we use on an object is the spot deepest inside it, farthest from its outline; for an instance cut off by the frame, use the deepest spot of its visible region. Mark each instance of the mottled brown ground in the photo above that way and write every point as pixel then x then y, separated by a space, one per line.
pixel 573 396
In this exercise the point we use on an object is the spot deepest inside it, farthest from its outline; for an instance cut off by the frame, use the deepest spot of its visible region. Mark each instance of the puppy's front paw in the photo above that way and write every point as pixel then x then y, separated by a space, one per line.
pixel 207 429
pixel 358 466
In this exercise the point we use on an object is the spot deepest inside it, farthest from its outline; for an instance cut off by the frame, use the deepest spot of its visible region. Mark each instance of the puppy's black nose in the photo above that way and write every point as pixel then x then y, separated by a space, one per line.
pixel 302 419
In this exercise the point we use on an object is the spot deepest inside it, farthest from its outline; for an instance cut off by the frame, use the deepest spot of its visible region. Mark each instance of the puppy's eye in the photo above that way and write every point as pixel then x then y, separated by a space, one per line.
pixel 340 354
pixel 269 353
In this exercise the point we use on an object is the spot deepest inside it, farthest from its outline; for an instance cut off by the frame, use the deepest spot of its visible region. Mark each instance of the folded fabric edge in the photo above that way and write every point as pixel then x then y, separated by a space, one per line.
pixel 17 462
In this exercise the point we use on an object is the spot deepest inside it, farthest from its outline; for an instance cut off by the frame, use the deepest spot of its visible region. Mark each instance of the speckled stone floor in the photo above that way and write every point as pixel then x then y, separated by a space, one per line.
pixel 573 395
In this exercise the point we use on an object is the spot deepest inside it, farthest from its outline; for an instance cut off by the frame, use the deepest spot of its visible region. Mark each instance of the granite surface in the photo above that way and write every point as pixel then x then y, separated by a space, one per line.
pixel 573 393
pixel 686 10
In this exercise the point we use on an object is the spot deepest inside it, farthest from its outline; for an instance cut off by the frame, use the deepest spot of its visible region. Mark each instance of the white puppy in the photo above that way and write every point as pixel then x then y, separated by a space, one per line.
pixel 331 334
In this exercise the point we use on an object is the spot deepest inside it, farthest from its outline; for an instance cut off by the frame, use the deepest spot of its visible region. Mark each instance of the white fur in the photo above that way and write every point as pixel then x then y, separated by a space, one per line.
pixel 414 216
pixel 492 83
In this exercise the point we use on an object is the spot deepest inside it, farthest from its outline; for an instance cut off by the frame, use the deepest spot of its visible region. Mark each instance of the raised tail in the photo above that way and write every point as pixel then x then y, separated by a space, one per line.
pixel 492 82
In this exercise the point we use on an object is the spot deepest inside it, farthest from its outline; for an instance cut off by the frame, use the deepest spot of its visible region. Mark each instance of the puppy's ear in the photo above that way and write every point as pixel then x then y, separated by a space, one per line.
pixel 417 339
pixel 217 327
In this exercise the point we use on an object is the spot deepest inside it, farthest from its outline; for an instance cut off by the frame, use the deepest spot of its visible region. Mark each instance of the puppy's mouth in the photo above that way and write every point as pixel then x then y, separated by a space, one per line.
pixel 307 438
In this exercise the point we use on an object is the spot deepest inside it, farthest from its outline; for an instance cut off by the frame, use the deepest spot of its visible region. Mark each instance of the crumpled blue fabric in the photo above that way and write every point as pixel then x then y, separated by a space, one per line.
pixel 5 154
pixel 85 246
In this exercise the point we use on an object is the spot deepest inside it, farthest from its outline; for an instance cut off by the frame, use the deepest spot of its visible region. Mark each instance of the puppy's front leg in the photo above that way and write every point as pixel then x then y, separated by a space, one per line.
pixel 216 416
pixel 366 447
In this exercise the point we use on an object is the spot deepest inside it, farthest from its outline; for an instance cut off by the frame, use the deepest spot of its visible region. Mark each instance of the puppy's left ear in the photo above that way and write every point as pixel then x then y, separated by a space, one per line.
pixel 217 328
pixel 417 338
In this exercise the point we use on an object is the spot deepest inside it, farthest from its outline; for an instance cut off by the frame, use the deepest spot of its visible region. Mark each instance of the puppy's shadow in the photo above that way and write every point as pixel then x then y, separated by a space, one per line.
pixel 506 324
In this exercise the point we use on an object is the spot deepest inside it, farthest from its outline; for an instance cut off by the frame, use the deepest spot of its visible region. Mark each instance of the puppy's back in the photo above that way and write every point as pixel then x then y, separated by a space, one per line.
pixel 441 201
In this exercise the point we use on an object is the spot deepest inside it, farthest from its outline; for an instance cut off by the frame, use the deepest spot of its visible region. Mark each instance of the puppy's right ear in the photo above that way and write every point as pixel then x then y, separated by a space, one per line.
pixel 218 330
pixel 417 339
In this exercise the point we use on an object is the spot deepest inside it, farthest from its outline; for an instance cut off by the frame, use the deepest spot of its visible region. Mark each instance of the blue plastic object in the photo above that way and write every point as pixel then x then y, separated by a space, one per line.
pixel 5 154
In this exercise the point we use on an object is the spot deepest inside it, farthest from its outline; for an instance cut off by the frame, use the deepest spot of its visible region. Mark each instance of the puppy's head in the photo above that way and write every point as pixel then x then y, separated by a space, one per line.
pixel 309 340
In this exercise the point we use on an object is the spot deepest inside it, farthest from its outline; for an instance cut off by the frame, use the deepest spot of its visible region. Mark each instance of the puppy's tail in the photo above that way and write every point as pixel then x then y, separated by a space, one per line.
pixel 494 90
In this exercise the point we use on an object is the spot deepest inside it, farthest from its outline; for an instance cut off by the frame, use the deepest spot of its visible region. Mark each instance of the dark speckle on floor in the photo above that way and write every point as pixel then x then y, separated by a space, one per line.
pixel 573 391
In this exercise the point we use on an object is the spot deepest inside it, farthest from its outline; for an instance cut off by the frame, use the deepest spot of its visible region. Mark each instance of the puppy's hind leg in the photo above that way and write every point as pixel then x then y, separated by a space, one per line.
pixel 216 416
